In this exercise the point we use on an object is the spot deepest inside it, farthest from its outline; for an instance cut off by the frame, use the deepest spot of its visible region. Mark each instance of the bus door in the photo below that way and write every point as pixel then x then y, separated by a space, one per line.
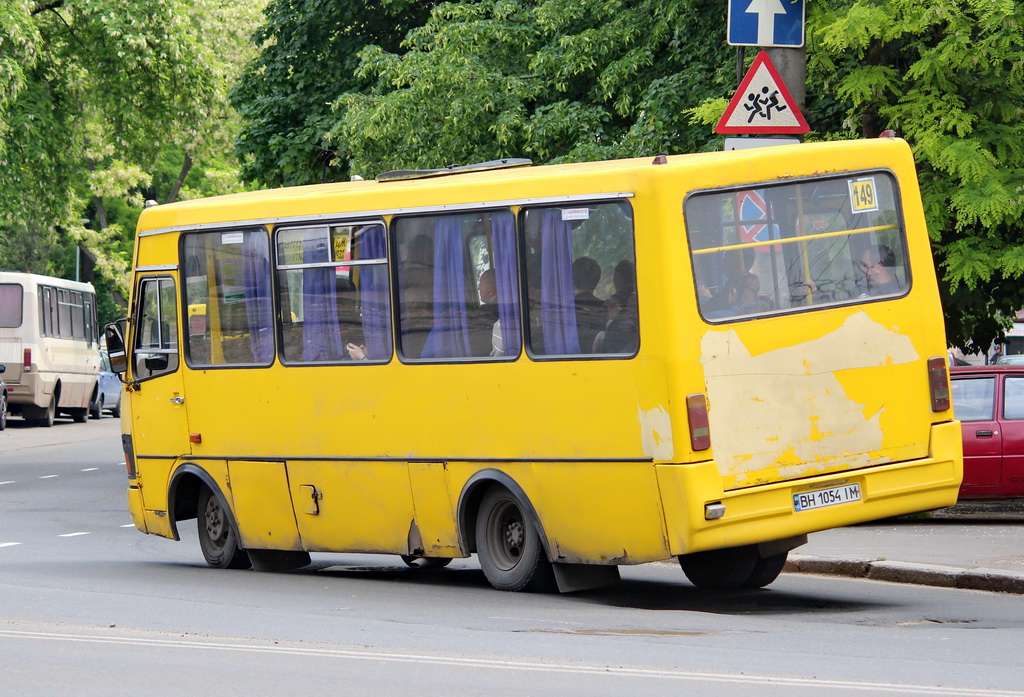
pixel 158 406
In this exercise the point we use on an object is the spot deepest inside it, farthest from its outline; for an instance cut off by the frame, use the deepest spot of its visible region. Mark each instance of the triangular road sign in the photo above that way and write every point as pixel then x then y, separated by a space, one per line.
pixel 762 104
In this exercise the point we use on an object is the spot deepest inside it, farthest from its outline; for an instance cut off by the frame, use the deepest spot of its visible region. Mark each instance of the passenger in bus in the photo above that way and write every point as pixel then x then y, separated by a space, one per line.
pixel 621 332
pixel 878 265
pixel 356 352
pixel 417 319
pixel 591 312
pixel 484 318
pixel 624 280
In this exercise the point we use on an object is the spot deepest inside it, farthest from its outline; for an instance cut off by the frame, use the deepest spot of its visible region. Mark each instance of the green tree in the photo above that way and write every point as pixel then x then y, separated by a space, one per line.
pixel 308 59
pixel 949 77
pixel 553 80
pixel 88 121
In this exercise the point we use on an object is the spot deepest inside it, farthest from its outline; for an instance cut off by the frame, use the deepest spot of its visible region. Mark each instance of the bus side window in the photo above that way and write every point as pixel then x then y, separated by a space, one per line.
pixel 458 288
pixel 581 280
pixel 228 298
pixel 334 290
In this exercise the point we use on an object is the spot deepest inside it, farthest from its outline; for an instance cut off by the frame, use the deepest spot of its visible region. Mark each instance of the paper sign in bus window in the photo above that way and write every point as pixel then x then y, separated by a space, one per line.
pixel 862 195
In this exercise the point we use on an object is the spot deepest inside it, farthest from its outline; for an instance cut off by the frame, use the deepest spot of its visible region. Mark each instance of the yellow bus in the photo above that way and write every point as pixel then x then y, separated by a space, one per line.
pixel 562 369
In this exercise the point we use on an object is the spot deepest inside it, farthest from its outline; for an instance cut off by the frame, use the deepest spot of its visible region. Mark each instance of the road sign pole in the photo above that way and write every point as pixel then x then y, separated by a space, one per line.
pixel 792 66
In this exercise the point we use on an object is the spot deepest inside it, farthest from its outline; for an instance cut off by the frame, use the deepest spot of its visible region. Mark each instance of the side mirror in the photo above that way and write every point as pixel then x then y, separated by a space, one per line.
pixel 114 333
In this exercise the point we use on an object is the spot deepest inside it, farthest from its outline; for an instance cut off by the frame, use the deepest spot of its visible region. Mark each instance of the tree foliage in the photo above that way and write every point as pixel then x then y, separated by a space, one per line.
pixel 94 95
pixel 553 80
pixel 309 57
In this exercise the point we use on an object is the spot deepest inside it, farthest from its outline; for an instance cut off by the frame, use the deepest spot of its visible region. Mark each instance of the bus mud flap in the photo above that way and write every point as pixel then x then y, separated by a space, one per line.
pixel 581 577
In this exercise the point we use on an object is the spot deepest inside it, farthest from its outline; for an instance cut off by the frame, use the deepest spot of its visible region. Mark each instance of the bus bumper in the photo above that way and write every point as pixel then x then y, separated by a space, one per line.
pixel 135 508
pixel 765 513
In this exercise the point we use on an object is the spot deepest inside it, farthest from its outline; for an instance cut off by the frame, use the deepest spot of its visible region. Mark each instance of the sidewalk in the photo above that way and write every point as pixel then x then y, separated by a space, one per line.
pixel 978 546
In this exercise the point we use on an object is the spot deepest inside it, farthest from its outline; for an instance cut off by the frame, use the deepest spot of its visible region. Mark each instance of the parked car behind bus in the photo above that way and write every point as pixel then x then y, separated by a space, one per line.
pixel 989 401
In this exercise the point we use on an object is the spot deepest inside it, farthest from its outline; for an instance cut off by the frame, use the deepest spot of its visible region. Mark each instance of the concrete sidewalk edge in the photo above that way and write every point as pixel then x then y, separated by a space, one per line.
pixel 979 579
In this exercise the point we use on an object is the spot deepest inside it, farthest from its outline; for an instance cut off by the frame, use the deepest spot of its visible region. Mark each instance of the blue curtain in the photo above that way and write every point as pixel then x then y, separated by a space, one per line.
pixel 503 235
pixel 373 292
pixel 450 336
pixel 558 309
pixel 321 333
pixel 258 311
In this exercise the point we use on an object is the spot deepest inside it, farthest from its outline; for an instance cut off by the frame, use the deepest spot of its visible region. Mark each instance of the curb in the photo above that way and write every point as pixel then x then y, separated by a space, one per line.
pixel 978 579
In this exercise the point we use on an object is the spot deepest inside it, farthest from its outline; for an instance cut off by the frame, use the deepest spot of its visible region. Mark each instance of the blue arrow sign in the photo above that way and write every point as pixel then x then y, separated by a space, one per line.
pixel 766 23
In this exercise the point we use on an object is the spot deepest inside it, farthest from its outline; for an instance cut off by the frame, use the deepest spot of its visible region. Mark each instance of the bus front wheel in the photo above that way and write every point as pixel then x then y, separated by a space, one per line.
pixel 217 536
pixel 508 545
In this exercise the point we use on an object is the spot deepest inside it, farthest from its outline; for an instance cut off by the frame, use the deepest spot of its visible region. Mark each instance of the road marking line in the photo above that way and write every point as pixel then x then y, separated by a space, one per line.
pixel 496 664
pixel 90 469
pixel 49 476
pixel 10 481
pixel 129 525
pixel 9 544
pixel 72 534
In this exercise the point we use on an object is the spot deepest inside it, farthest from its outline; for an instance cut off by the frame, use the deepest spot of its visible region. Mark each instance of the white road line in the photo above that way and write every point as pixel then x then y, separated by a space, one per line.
pixel 497 664
pixel 90 469
pixel 9 544
pixel 72 534
pixel 11 481
pixel 129 525
pixel 49 476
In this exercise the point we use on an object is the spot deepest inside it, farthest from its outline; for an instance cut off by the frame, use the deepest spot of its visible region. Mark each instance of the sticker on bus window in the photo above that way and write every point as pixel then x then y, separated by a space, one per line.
pixel 340 246
pixel 862 195
pixel 575 214
pixel 232 237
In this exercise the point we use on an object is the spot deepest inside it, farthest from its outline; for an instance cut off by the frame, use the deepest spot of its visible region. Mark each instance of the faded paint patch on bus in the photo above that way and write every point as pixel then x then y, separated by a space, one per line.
pixel 788 413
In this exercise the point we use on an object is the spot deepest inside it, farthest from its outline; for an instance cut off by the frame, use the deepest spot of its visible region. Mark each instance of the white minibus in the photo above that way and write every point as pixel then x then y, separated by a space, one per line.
pixel 49 346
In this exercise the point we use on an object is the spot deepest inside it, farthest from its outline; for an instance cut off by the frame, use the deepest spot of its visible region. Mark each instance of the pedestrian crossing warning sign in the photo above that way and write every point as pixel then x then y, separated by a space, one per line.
pixel 762 104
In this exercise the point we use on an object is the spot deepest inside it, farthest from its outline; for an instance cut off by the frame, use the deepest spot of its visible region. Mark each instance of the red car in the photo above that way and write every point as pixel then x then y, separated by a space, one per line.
pixel 989 401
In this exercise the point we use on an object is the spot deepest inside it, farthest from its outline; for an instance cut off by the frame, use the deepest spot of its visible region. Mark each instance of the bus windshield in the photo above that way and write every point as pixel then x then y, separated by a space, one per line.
pixel 821 242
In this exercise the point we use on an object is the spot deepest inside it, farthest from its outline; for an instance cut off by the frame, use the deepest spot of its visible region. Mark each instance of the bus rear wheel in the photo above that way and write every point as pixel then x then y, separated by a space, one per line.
pixel 508 545
pixel 217 536
pixel 719 569
pixel 44 416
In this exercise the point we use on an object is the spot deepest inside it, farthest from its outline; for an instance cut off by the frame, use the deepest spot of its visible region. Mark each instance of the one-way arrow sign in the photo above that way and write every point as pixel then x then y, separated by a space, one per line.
pixel 766 23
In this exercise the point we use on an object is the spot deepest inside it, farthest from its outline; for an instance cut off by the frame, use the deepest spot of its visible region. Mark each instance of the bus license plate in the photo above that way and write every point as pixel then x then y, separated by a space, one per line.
pixel 848 493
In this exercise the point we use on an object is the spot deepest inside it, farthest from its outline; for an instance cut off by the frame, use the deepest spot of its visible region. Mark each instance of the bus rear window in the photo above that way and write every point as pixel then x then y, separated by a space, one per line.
pixel 10 304
pixel 778 248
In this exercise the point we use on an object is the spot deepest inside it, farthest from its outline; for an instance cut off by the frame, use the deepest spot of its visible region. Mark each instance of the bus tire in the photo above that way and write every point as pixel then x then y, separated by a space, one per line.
pixel 766 570
pixel 48 415
pixel 720 569
pixel 415 561
pixel 3 411
pixel 217 535
pixel 509 547
pixel 97 412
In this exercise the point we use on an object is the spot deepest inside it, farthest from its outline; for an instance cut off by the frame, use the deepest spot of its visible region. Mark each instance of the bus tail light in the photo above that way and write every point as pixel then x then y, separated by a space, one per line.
pixel 26 364
pixel 938 383
pixel 697 415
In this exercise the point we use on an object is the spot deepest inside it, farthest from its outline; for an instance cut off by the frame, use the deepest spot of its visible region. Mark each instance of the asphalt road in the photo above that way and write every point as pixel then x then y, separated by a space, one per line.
pixel 90 606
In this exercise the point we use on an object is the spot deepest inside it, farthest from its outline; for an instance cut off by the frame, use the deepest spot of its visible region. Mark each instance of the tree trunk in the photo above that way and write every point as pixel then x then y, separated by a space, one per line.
pixel 101 212
pixel 172 196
